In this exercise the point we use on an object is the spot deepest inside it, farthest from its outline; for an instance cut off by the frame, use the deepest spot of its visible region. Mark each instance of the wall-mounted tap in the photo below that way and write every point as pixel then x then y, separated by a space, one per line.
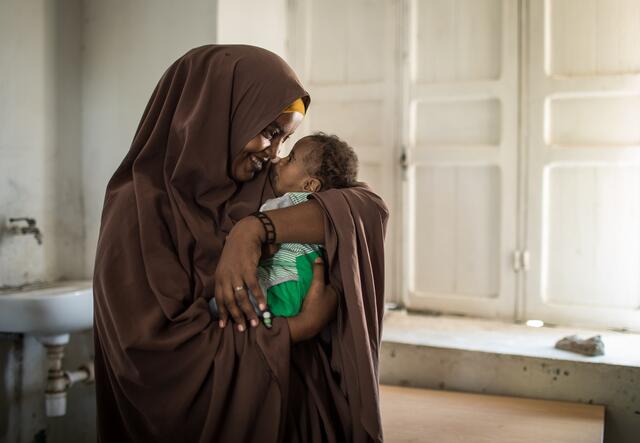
pixel 31 228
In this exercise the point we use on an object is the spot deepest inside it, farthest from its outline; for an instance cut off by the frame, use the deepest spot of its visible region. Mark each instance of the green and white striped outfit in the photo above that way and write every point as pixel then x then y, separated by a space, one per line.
pixel 286 276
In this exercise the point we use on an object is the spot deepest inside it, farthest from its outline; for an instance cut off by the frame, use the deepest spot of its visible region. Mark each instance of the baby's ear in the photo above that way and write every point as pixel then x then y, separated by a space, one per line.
pixel 312 184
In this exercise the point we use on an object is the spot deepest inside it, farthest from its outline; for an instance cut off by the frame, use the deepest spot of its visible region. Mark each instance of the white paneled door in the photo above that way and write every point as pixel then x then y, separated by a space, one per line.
pixel 584 162
pixel 505 136
pixel 345 53
pixel 461 135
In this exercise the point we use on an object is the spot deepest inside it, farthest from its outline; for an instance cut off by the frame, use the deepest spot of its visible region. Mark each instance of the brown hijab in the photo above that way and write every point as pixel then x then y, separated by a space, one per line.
pixel 164 370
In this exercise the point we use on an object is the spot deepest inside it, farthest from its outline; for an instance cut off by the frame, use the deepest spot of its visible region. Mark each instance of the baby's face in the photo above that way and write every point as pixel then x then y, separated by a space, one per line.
pixel 290 173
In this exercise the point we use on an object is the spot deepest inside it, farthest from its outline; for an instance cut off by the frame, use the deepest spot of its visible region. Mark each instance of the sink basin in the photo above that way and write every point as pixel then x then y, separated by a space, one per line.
pixel 45 309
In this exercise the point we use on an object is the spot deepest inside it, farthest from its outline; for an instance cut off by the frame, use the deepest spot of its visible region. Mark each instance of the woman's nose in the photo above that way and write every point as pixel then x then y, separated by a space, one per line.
pixel 273 152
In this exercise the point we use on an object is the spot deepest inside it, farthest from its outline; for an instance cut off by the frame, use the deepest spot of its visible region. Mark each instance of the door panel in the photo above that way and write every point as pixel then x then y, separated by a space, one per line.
pixel 584 162
pixel 462 108
pixel 346 56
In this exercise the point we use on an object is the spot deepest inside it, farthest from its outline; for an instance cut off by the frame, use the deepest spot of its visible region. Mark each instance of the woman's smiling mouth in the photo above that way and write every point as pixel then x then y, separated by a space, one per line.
pixel 257 162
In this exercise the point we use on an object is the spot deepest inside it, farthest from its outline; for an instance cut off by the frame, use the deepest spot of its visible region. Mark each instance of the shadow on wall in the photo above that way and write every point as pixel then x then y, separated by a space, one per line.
pixel 8 350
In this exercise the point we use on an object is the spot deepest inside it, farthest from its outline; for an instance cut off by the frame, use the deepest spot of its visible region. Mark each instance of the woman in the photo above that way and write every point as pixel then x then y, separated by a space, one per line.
pixel 176 229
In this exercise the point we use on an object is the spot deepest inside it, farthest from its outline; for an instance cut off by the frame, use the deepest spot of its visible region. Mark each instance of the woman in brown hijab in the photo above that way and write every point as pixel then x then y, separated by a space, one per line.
pixel 176 227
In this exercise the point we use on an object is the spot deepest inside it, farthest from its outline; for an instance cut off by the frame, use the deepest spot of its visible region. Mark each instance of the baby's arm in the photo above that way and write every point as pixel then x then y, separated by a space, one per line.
pixel 318 309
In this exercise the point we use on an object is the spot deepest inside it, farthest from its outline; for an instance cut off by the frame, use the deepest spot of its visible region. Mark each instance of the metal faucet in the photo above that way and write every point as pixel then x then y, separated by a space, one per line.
pixel 31 228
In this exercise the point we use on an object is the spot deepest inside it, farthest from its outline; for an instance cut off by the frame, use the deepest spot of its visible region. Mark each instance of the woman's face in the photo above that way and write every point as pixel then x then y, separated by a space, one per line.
pixel 264 146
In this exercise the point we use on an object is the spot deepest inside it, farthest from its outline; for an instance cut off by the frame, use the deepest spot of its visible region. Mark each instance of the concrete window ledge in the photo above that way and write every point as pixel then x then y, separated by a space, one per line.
pixel 621 348
pixel 492 357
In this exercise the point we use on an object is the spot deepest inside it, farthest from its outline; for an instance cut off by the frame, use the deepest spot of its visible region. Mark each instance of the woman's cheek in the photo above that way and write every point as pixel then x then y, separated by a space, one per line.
pixel 257 144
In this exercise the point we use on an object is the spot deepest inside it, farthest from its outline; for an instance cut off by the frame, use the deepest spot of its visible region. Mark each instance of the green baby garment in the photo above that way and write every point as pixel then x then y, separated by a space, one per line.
pixel 288 273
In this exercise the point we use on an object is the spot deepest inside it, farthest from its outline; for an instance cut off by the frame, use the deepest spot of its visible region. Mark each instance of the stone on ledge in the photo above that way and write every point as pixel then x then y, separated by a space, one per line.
pixel 592 347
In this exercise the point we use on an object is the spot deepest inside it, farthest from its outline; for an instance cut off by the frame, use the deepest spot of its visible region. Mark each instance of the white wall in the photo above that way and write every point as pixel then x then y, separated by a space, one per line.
pixel 346 56
pixel 127 47
pixel 40 178
pixel 75 76
pixel 66 200
pixel 73 89
pixel 40 140
pixel 28 140
pixel 264 26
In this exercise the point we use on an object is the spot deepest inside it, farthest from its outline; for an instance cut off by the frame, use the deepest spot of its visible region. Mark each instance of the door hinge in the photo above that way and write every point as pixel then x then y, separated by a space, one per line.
pixel 404 161
pixel 521 261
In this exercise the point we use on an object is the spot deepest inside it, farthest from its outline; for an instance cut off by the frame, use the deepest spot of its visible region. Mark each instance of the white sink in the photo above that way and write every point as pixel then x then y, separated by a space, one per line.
pixel 46 309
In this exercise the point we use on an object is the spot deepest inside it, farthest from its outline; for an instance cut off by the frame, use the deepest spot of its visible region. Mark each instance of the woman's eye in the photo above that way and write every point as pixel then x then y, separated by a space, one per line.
pixel 270 134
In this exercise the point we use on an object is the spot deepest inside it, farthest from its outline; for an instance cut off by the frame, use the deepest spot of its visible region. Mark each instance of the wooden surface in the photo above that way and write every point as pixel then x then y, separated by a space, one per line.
pixel 423 415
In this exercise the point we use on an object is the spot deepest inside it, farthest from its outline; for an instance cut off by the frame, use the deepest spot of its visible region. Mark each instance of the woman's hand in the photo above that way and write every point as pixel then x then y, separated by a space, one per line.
pixel 302 223
pixel 318 309
pixel 236 272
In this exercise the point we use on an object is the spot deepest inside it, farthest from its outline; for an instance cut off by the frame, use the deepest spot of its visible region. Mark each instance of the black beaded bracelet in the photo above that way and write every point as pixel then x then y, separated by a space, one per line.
pixel 267 224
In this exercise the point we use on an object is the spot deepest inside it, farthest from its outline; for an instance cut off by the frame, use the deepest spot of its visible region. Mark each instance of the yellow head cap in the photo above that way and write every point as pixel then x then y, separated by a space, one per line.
pixel 296 106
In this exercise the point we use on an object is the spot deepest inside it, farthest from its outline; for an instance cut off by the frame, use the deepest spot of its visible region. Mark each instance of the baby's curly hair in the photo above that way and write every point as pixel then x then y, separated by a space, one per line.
pixel 335 163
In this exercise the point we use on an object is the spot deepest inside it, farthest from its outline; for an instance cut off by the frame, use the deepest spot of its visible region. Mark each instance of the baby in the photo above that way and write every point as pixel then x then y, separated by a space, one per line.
pixel 316 163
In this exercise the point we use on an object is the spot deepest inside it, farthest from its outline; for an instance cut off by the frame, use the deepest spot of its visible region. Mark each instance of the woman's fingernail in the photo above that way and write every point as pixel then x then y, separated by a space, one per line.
pixel 254 322
pixel 221 323
pixel 241 328
pixel 262 306
pixel 318 260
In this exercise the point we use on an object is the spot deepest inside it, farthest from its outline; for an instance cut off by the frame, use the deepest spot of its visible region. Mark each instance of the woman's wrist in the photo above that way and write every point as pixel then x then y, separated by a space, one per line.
pixel 268 228
pixel 250 227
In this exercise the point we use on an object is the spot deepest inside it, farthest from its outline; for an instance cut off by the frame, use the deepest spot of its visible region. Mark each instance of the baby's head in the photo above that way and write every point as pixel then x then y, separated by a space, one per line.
pixel 316 163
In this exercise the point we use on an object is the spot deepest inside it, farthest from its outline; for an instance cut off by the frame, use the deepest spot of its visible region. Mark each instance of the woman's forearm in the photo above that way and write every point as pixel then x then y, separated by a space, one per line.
pixel 303 223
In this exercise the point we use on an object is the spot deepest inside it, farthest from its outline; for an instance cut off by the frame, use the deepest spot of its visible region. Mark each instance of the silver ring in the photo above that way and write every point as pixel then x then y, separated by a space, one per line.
pixel 238 288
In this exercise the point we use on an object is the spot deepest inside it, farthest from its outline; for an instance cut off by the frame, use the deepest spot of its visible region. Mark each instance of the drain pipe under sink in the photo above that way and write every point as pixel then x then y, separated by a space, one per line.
pixel 59 380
